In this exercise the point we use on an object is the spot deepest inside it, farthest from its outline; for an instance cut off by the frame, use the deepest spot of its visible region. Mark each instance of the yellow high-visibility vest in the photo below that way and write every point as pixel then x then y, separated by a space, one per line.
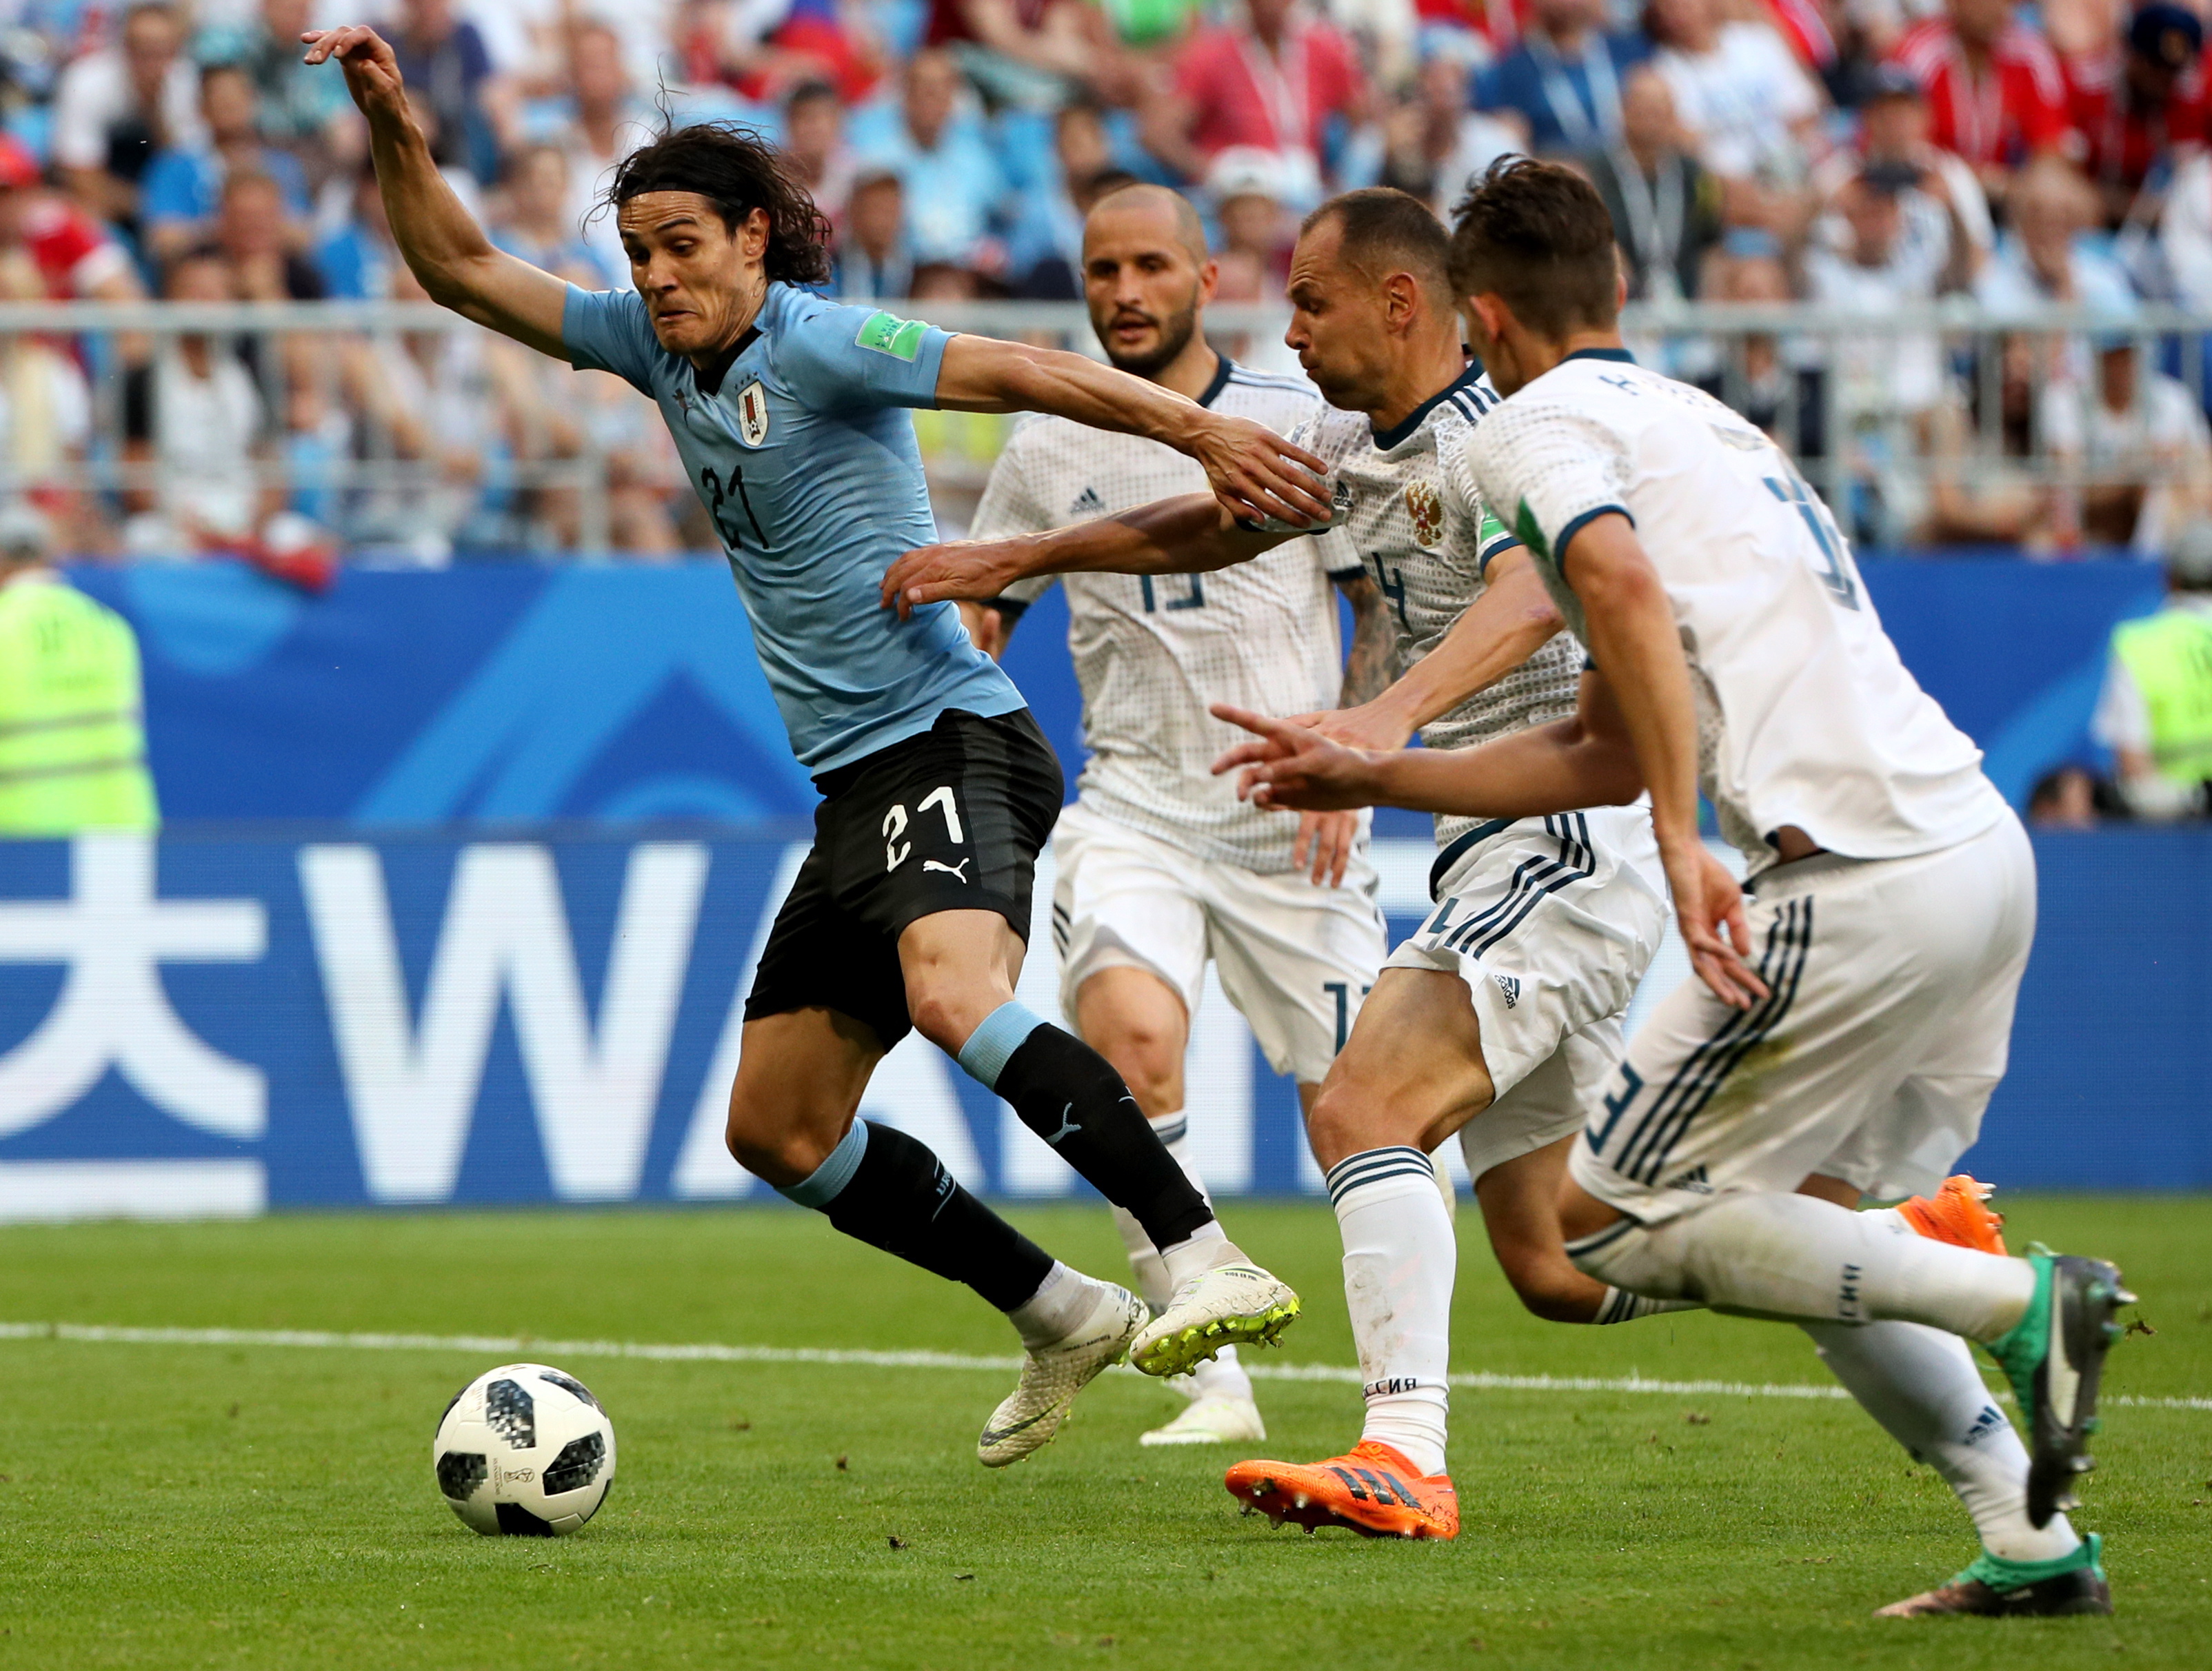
pixel 72 739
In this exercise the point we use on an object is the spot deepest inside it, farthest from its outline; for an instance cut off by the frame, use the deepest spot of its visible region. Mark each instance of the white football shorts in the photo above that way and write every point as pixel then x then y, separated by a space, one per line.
pixel 1294 958
pixel 1892 985
pixel 1550 922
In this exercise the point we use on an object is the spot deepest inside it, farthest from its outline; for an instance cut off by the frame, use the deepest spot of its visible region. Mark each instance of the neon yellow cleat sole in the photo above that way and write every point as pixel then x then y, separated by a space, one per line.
pixel 1179 1351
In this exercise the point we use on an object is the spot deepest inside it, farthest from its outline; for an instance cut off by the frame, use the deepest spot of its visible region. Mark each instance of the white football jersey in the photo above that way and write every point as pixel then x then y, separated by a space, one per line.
pixel 1414 518
pixel 1151 653
pixel 1806 716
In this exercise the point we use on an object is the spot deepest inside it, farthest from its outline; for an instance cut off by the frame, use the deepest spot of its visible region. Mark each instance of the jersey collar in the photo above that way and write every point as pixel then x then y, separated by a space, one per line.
pixel 1620 355
pixel 1223 365
pixel 1387 438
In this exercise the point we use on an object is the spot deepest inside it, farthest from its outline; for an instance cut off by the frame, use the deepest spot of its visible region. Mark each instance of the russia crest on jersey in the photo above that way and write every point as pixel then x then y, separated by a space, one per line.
pixel 753 415
pixel 1426 506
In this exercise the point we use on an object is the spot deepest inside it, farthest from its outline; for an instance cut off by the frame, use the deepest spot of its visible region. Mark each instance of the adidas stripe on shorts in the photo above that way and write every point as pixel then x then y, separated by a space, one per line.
pixel 1892 985
pixel 1550 922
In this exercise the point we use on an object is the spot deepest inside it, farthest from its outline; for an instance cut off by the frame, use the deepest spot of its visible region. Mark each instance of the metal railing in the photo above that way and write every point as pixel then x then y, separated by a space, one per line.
pixel 1941 422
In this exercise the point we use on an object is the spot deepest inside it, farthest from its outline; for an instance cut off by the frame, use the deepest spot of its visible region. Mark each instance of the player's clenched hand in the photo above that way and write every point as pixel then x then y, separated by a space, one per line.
pixel 1708 906
pixel 1254 470
pixel 372 72
pixel 957 568
pixel 1292 767
pixel 1327 839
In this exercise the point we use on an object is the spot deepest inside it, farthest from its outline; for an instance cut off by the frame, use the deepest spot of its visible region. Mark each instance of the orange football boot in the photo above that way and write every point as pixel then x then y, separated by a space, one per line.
pixel 1370 1489
pixel 1956 1213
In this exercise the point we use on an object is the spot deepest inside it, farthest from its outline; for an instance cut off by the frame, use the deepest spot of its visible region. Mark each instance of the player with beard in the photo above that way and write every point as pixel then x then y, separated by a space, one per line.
pixel 1161 867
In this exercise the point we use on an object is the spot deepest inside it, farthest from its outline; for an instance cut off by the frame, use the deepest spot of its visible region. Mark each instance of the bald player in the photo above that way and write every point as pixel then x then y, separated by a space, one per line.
pixel 1161 867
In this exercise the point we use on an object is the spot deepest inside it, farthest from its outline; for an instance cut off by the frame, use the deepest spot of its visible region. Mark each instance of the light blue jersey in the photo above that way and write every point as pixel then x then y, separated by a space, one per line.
pixel 811 473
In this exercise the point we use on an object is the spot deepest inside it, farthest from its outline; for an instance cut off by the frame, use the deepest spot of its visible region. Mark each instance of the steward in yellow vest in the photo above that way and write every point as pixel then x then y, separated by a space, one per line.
pixel 72 741
pixel 2156 712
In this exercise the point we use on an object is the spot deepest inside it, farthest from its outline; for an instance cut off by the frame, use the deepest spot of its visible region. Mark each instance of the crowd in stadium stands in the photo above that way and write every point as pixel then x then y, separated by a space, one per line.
pixel 1862 155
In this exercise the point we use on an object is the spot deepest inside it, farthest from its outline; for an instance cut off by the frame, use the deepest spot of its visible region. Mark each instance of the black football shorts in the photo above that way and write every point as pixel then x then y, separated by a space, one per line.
pixel 952 820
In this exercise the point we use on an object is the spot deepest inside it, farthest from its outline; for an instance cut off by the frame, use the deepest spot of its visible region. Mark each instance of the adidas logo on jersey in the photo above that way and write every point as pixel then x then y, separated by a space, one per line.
pixel 1510 986
pixel 1088 504
pixel 1693 1181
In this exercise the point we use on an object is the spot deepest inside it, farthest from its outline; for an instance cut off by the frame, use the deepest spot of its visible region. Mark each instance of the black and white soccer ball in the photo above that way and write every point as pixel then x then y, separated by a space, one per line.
pixel 525 1450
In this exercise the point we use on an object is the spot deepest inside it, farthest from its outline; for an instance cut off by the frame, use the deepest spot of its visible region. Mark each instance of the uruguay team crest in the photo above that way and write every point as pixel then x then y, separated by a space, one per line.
pixel 753 415
pixel 1426 506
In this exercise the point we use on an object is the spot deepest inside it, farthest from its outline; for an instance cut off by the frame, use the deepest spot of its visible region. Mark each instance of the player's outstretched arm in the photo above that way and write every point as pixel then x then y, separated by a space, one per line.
pixel 1513 619
pixel 446 250
pixel 1639 649
pixel 1189 535
pixel 1253 470
pixel 1583 761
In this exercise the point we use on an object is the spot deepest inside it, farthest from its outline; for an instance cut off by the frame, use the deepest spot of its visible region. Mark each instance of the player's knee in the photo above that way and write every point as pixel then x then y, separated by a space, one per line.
pixel 1344 1121
pixel 1147 1060
pixel 947 1012
pixel 776 1141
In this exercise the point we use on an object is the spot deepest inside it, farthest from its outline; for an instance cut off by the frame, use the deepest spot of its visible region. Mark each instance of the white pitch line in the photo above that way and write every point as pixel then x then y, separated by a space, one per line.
pixel 710 1351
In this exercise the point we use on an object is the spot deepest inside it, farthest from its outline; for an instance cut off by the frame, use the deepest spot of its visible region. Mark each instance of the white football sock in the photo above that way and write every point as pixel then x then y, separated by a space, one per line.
pixel 1219 1376
pixel 1921 1384
pixel 1062 1301
pixel 1398 1261
pixel 1807 1259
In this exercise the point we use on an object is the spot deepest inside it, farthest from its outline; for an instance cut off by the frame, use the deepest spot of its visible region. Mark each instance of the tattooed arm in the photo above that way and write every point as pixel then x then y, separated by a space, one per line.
pixel 1372 658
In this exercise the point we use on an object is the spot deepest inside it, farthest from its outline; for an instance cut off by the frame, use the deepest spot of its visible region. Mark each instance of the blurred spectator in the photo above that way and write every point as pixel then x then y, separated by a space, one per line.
pixel 2131 444
pixel 46 415
pixel 953 183
pixel 763 49
pixel 606 123
pixel 1666 207
pixel 75 258
pixel 1272 79
pixel 1982 486
pixel 262 243
pixel 1772 383
pixel 2138 102
pixel 1027 53
pixel 2048 257
pixel 814 141
pixel 1996 94
pixel 432 402
pixel 302 110
pixel 1861 264
pixel 2155 712
pixel 534 223
pixel 357 261
pixel 1751 113
pixel 2072 798
pixel 1564 80
pixel 1246 187
pixel 1044 246
pixel 446 69
pixel 2185 232
pixel 114 108
pixel 874 259
pixel 72 730
pixel 1945 199
pixel 1433 144
pixel 195 431
pixel 183 187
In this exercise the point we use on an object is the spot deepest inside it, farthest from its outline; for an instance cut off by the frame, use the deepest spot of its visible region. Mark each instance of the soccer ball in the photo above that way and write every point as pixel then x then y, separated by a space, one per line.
pixel 525 1450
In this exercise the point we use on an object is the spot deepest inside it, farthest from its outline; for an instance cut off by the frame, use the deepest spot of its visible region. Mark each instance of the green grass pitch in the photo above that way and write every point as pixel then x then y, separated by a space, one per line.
pixel 198 1505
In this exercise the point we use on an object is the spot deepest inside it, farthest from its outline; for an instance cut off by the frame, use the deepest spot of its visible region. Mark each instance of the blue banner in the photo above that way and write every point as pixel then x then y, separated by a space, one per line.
pixel 215 1026
pixel 513 693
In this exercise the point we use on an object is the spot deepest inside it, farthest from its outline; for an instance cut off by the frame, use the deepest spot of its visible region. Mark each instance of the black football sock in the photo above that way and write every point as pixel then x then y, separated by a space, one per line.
pixel 881 1186
pixel 1067 1094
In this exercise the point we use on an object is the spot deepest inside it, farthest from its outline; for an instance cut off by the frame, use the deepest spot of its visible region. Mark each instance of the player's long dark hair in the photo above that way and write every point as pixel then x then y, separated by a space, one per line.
pixel 736 171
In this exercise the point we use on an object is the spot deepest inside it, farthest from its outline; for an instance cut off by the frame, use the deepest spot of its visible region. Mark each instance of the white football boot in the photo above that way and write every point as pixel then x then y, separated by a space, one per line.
pixel 1231 1305
pixel 1052 1376
pixel 1212 1418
